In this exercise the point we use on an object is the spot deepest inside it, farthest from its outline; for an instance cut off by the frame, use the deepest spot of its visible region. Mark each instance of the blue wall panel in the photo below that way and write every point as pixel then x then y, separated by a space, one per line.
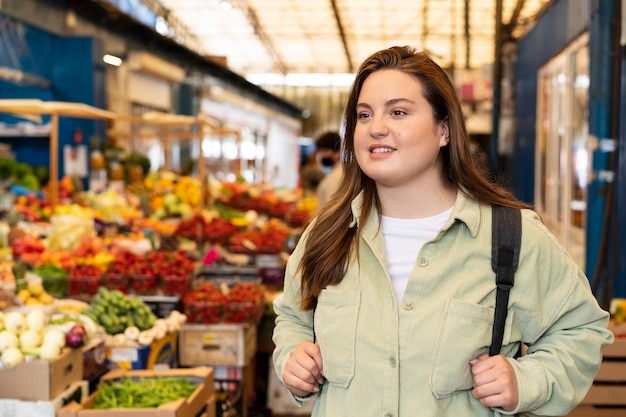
pixel 620 191
pixel 72 64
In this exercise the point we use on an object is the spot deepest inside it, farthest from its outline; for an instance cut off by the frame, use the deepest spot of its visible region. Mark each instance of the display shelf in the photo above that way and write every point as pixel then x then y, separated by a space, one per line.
pixel 29 108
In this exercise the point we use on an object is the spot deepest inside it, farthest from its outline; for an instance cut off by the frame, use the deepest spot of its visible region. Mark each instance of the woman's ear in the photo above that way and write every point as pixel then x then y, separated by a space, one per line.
pixel 445 133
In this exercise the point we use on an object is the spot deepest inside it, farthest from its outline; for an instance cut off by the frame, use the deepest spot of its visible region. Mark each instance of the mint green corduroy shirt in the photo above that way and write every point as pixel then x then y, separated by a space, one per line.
pixel 408 359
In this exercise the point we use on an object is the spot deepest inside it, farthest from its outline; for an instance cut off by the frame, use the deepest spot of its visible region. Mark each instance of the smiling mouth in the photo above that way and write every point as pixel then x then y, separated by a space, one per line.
pixel 382 150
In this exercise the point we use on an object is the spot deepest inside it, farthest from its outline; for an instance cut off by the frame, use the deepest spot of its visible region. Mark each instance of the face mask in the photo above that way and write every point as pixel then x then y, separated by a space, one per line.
pixel 327 161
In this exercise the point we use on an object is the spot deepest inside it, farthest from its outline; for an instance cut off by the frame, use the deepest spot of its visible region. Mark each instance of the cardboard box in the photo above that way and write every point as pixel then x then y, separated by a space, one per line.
pixel 42 380
pixel 217 344
pixel 185 407
pixel 94 359
pixel 21 408
pixel 77 391
pixel 160 354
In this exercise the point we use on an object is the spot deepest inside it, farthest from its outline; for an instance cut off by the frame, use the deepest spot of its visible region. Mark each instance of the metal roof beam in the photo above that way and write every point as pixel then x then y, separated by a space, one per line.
pixel 342 34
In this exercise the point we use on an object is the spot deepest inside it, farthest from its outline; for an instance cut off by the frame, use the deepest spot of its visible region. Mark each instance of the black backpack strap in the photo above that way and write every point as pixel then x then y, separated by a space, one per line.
pixel 506 237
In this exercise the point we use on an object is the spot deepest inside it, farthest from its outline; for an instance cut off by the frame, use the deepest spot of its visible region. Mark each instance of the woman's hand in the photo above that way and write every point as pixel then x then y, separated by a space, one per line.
pixel 303 371
pixel 495 384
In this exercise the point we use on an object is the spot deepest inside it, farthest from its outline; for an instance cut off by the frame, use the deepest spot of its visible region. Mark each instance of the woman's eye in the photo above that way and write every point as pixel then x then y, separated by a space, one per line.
pixel 362 115
pixel 398 112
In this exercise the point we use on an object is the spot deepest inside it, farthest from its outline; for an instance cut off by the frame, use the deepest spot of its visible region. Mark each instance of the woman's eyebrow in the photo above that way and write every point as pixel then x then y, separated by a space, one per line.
pixel 388 103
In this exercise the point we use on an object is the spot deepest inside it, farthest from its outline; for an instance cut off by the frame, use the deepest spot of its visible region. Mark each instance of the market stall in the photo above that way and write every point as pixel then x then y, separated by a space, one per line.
pixel 55 109
pixel 190 289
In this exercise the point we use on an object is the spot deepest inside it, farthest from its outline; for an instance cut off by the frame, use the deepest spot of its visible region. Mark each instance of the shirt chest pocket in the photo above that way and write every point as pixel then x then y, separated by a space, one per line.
pixel 335 331
pixel 464 335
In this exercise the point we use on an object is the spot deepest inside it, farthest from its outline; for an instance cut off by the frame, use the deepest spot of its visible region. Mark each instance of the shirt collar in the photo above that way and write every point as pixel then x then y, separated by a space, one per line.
pixel 466 210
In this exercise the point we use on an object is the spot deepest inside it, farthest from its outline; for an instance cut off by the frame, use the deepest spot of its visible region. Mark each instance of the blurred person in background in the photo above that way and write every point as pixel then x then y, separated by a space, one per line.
pixel 327 150
pixel 310 174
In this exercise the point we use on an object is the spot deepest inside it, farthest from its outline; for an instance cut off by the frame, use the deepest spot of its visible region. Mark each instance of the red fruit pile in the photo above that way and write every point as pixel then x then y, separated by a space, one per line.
pixel 201 231
pixel 26 245
pixel 83 280
pixel 209 304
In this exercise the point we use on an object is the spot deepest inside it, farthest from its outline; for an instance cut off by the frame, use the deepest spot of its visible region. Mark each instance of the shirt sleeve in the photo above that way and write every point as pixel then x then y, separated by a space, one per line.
pixel 293 325
pixel 565 330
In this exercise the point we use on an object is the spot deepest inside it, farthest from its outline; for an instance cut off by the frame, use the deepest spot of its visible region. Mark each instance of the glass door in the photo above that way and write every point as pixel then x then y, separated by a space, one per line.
pixel 562 151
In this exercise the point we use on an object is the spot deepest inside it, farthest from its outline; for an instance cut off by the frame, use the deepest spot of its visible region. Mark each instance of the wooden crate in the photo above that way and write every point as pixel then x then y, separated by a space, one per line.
pixel 217 344
pixel 607 395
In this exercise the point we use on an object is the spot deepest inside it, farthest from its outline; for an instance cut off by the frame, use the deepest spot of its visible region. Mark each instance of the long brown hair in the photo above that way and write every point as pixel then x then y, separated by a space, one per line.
pixel 331 242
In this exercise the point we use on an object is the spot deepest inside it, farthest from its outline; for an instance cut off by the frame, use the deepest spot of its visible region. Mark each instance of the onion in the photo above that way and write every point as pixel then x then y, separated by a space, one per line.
pixel 49 351
pixel 76 336
pixel 12 357
pixel 14 321
pixel 7 340
pixel 30 339
pixel 36 320
pixel 54 336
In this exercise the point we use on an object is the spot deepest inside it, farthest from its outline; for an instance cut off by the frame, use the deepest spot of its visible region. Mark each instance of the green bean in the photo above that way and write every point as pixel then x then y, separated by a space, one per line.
pixel 146 392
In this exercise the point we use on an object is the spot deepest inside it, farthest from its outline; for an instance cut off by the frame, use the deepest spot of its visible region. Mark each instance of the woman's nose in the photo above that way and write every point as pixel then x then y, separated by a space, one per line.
pixel 378 127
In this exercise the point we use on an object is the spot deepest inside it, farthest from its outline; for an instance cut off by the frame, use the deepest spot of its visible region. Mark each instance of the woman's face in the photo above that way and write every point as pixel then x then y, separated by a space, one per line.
pixel 396 139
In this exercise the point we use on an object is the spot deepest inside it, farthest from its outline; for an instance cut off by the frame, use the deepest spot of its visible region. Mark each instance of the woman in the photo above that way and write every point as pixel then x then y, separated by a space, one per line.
pixel 388 302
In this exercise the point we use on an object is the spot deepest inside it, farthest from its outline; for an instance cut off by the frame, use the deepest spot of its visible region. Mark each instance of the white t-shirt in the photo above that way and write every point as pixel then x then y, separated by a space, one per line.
pixel 404 239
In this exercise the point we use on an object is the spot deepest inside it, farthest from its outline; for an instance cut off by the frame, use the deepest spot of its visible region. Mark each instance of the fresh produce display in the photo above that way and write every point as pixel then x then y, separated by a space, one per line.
pixel 127 392
pixel 116 311
pixel 20 173
pixel 27 247
pixel 34 293
pixel 261 198
pixel 54 279
pixel 87 265
pixel 169 271
pixel 84 280
pixel 210 303
pixel 618 317
pixel 112 206
pixel 618 310
pixel 25 335
pixel 70 225
pixel 32 208
pixel 201 231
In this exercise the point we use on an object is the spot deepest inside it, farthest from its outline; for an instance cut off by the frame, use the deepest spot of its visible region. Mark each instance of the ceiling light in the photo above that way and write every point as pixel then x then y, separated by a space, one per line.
pixel 226 5
pixel 112 60
pixel 161 26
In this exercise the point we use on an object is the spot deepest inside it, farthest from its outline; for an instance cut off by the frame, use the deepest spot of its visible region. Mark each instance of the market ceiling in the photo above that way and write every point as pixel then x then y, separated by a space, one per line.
pixel 334 36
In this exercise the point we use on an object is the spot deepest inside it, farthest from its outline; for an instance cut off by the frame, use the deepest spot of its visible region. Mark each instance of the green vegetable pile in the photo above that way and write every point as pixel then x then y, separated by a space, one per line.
pixel 54 279
pixel 19 173
pixel 115 311
pixel 127 392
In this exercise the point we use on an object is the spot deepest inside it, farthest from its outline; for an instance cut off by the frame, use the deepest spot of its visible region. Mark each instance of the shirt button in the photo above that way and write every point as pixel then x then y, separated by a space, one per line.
pixel 422 261
pixel 392 362
pixel 389 415
pixel 409 305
